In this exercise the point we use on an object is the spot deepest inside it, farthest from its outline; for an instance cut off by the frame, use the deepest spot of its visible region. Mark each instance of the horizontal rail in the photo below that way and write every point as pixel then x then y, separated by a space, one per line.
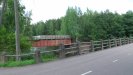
pixel 85 49
pixel 97 41
pixel 105 43
pixel 85 42
pixel 97 44
pixel 86 46
pixel 71 48
pixel 70 52
pixel 105 40
pixel 97 48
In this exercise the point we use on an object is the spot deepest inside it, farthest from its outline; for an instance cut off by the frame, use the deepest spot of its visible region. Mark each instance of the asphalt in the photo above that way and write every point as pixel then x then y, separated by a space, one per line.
pixel 114 61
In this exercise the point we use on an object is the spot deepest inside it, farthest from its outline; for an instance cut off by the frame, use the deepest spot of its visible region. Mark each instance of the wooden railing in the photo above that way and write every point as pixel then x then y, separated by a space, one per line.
pixel 77 48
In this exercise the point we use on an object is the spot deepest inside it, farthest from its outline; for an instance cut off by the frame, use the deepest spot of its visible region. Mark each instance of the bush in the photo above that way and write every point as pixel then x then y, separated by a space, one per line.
pixel 7 42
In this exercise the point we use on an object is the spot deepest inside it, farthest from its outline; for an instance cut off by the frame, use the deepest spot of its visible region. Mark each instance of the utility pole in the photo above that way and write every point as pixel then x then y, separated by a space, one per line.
pixel 18 51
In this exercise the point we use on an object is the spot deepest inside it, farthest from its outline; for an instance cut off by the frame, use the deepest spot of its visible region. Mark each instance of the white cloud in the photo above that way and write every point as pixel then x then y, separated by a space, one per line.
pixel 48 9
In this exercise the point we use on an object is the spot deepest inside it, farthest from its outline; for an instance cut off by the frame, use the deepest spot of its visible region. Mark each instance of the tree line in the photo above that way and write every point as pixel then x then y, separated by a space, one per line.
pixel 89 25
pixel 7 27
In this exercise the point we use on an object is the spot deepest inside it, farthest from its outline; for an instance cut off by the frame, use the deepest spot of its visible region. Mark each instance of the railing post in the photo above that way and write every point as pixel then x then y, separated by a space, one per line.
pixel 92 46
pixel 128 41
pixel 115 42
pixel 62 51
pixel 120 41
pixel 109 43
pixel 124 40
pixel 78 47
pixel 3 57
pixel 131 40
pixel 102 45
pixel 37 56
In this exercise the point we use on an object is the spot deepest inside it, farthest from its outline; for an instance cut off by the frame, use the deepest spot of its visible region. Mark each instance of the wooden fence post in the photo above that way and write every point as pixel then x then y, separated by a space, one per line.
pixel 128 41
pixel 120 41
pixel 37 56
pixel 109 43
pixel 102 45
pixel 115 42
pixel 92 46
pixel 62 51
pixel 78 47
pixel 3 57
pixel 131 40
pixel 124 41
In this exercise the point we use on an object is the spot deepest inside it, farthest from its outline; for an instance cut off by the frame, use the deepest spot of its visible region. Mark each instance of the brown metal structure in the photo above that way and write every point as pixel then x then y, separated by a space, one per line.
pixel 51 40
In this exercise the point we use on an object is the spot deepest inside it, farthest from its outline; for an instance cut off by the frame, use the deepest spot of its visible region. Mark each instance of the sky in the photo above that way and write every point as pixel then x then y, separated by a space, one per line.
pixel 53 9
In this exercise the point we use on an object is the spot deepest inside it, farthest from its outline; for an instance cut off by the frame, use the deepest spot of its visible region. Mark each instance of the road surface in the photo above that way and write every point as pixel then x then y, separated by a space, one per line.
pixel 114 61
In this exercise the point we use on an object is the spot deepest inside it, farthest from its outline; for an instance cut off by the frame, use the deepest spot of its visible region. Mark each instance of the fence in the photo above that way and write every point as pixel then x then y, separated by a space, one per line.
pixel 77 48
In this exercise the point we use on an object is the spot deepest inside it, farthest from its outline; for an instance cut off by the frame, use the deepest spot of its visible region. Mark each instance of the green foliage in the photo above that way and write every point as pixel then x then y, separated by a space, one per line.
pixel 25 44
pixel 7 41
pixel 7 30
pixel 49 27
pixel 128 23
pixel 90 25
pixel 45 58
pixel 49 57
pixel 70 24
pixel 8 19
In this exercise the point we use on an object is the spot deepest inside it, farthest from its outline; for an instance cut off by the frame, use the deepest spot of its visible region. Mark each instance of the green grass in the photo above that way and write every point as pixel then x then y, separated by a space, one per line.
pixel 45 58
pixel 49 57
pixel 17 63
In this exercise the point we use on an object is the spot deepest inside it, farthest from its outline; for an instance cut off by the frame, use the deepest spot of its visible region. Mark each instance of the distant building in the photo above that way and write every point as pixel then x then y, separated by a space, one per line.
pixel 50 40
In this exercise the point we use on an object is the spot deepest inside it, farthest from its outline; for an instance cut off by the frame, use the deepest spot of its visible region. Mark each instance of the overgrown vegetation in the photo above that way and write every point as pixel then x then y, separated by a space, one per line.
pixel 29 61
pixel 7 28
